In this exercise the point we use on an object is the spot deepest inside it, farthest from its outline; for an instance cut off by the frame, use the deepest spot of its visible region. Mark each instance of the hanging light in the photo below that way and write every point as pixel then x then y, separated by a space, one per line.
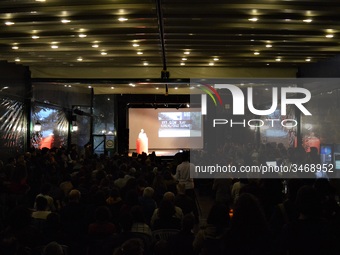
pixel 37 127
pixel 74 127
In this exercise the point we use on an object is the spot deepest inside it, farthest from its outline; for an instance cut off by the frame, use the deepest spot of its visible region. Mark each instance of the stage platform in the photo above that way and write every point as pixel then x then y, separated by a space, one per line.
pixel 160 152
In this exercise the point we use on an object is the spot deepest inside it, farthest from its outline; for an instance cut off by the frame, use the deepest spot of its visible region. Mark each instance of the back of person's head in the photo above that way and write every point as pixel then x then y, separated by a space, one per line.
pixel 41 203
pixel 185 156
pixel 180 188
pixel 169 196
pixel 137 214
pixel 115 193
pixel 248 214
pixel 53 220
pixel 188 222
pixel 126 222
pixel 132 246
pixel 308 202
pixel 161 248
pixel 219 215
pixel 166 209
pixel 102 214
pixel 74 195
pixel 148 192
pixel 53 248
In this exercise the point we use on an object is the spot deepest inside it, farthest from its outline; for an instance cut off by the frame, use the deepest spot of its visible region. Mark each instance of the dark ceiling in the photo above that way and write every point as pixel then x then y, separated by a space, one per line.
pixel 194 33
pixel 166 34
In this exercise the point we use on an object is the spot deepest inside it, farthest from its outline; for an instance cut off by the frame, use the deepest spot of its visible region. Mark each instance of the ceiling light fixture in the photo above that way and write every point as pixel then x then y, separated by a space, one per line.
pixel 9 23
pixel 135 45
pixel 35 37
pixel 269 45
pixel 146 63
pixel 65 21
pixel 307 20
pixel 15 47
pixel 211 64
pixel 184 59
pixel 139 53
pixel 95 46
pixel 278 59
pixel 308 59
pixel 122 19
pixel 186 52
pixel 253 19
pixel 82 35
pixel 256 53
pixel 54 46
pixel 103 53
pixel 17 60
pixel 216 59
pixel 182 64
pixel 79 59
pixel 329 36
pixel 132 85
pixel 112 87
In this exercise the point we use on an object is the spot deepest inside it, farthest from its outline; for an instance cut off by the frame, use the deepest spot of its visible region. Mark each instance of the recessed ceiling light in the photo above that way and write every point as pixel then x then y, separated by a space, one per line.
pixel 15 47
pixel 139 53
pixel 132 85
pixel 329 36
pixel 184 59
pixel 211 64
pixel 216 59
pixel 253 19
pixel 186 52
pixel 103 53
pixel 112 87
pixel 176 87
pixel 182 64
pixel 256 53
pixel 70 86
pixel 40 0
pixel 89 86
pixel 307 20
pixel 157 88
pixel 79 59
pixel 308 59
pixel 269 45
pixel 82 35
pixel 135 45
pixel 278 59
pixel 54 46
pixel 65 21
pixel 35 37
pixel 17 60
pixel 9 23
pixel 95 46
pixel 146 63
pixel 121 19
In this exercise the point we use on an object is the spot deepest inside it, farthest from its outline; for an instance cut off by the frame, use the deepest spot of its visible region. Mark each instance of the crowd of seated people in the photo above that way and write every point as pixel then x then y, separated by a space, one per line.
pixel 57 202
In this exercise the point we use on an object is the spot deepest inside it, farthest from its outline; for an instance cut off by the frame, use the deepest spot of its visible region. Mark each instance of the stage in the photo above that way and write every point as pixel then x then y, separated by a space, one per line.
pixel 159 152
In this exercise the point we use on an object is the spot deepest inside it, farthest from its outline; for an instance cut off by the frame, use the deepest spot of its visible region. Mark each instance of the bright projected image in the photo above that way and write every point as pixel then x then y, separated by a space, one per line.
pixel 179 124
pixel 54 126
pixel 166 128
